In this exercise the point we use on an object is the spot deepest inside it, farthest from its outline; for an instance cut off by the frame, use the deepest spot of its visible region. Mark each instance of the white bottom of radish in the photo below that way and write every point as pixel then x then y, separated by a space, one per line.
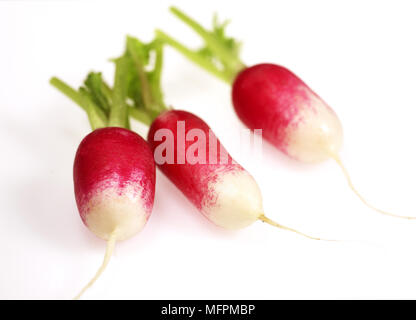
pixel 110 210
pixel 315 134
pixel 238 200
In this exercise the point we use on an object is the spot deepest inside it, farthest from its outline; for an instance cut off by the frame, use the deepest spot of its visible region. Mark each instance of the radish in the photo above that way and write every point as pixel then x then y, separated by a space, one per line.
pixel 218 186
pixel 114 182
pixel 270 97
pixel 114 171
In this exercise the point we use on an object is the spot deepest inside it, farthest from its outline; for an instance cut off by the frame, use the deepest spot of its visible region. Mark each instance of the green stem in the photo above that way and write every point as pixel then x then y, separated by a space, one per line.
pixel 146 96
pixel 136 91
pixel 107 92
pixel 140 115
pixel 155 75
pixel 149 81
pixel 232 62
pixel 118 113
pixel 194 56
pixel 157 72
pixel 95 86
pixel 82 100
pixel 67 90
pixel 96 117
pixel 94 113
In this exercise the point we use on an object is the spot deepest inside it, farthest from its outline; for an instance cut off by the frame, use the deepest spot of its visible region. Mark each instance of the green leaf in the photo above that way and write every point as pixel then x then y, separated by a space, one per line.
pixel 218 32
pixel 96 116
pixel 220 53
pixel 201 57
pixel 145 85
pixel 136 90
pixel 98 90
pixel 119 112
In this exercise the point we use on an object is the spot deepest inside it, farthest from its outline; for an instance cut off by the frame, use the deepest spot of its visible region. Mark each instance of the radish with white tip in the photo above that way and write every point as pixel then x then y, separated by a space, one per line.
pixel 114 170
pixel 217 185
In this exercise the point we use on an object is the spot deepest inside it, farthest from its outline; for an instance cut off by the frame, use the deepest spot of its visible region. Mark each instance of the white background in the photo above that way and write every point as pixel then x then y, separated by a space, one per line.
pixel 358 55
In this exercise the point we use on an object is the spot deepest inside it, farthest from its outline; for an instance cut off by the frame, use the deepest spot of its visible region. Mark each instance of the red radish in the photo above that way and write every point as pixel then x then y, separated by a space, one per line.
pixel 114 182
pixel 270 97
pixel 114 171
pixel 295 120
pixel 218 186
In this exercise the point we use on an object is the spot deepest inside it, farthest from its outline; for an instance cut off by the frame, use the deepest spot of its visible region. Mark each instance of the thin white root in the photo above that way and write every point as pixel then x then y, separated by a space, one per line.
pixel 108 252
pixel 275 224
pixel 363 200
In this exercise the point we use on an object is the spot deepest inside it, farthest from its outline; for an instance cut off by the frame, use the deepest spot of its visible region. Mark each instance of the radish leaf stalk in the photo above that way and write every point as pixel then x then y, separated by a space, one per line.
pixel 100 93
pixel 118 113
pixel 219 49
pixel 96 116
pixel 147 89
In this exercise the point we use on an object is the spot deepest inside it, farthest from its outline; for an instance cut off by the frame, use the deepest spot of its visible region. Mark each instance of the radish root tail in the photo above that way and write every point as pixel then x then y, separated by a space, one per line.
pixel 108 252
pixel 275 224
pixel 363 200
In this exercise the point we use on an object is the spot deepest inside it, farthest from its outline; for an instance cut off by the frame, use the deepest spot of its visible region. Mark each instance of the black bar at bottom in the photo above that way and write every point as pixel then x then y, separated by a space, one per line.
pixel 209 309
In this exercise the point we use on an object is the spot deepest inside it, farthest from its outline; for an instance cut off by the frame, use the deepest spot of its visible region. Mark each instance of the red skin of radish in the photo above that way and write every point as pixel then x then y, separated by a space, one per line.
pixel 272 98
pixel 263 98
pixel 113 158
pixel 222 190
pixel 191 179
